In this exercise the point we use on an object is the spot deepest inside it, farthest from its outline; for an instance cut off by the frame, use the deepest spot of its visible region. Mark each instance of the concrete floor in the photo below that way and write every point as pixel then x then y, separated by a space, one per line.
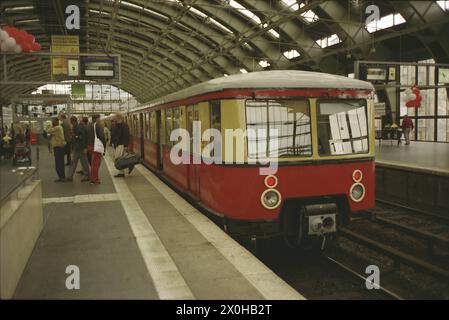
pixel 426 156
pixel 134 238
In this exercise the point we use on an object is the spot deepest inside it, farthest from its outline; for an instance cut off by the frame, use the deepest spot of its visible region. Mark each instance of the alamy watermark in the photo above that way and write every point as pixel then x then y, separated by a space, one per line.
pixel 73 20
pixel 72 282
pixel 234 152
pixel 373 278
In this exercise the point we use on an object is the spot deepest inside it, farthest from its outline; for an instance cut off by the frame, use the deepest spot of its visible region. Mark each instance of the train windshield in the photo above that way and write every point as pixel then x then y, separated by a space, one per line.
pixel 342 127
pixel 278 128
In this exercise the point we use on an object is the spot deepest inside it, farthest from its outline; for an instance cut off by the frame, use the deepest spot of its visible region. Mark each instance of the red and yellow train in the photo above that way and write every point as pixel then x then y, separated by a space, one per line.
pixel 319 128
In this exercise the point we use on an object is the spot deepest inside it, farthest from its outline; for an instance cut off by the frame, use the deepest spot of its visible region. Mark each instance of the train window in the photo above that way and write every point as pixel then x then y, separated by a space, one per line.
pixel 146 121
pixel 153 127
pixel 176 118
pixel 215 114
pixel 342 127
pixel 280 128
pixel 136 126
pixel 168 125
pixel 131 119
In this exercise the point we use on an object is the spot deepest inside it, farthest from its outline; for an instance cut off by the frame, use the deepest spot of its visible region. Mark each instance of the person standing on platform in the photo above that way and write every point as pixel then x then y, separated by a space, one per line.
pixel 28 135
pixel 120 140
pixel 67 136
pixel 107 136
pixel 95 146
pixel 79 151
pixel 407 127
pixel 84 122
pixel 58 143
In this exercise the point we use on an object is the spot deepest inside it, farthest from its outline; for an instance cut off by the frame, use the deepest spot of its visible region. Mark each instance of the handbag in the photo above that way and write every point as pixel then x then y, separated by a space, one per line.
pixel 98 145
pixel 127 161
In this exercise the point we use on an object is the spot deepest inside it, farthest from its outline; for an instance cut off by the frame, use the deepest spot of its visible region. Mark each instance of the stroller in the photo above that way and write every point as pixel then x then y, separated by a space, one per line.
pixel 22 155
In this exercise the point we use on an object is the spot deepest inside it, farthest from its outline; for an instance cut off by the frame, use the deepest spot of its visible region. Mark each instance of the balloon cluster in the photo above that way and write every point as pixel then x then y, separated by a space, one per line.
pixel 413 97
pixel 15 40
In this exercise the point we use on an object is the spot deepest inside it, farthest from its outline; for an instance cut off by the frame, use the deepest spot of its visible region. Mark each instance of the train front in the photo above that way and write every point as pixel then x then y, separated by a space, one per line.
pixel 324 147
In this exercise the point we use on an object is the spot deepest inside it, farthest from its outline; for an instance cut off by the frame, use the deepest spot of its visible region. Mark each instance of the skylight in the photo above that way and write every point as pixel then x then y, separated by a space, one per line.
pixel 21 8
pixel 212 20
pixel 157 14
pixel 291 54
pixel 444 5
pixel 328 41
pixel 245 11
pixel 291 4
pixel 309 16
pixel 98 12
pixel 27 21
pixel 132 5
pixel 264 63
pixel 273 32
pixel 385 22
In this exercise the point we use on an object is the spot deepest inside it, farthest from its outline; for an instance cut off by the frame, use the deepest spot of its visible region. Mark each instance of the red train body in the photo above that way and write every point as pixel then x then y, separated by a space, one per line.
pixel 311 185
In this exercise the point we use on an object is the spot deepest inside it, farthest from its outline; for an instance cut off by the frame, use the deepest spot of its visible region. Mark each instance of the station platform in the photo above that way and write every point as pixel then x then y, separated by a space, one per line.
pixel 135 238
pixel 415 176
pixel 424 157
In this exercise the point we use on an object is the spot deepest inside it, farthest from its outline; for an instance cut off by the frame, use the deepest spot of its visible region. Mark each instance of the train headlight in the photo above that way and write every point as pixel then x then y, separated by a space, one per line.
pixel 357 192
pixel 271 199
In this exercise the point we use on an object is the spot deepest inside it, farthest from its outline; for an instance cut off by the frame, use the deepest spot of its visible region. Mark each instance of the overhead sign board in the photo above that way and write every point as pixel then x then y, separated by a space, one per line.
pixel 376 74
pixel 98 67
pixel 63 44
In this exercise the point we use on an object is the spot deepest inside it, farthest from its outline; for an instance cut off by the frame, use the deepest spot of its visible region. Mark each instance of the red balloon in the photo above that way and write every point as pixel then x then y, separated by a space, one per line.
pixel 26 47
pixel 20 39
pixel 7 29
pixel 36 46
pixel 29 38
pixel 13 33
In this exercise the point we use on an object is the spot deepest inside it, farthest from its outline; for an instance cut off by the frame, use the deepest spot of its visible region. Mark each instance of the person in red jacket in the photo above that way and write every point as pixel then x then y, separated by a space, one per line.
pixel 407 127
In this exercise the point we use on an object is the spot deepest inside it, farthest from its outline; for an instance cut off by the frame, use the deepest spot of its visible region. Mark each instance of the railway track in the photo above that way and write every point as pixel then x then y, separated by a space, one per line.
pixel 400 238
pixel 379 289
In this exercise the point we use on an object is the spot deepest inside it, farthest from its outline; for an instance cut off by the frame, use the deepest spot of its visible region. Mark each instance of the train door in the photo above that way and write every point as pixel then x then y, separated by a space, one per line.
pixel 159 134
pixel 194 169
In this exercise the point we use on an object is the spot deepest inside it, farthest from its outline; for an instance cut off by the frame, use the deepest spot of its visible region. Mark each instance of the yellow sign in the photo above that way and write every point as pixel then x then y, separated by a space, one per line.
pixel 72 41
pixel 63 44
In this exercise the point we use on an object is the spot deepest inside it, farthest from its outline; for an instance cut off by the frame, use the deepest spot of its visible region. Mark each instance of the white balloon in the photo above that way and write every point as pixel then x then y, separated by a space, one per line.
pixel 17 48
pixel 3 35
pixel 4 47
pixel 10 42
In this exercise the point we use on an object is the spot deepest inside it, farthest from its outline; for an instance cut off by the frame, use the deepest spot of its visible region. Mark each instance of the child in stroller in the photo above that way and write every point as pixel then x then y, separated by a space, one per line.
pixel 22 152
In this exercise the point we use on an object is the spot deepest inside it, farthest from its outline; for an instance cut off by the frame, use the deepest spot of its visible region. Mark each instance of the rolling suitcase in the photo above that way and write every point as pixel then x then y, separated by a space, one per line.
pixel 127 161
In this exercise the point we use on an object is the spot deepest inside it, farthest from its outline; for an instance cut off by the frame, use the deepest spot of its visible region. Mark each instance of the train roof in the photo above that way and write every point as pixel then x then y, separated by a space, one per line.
pixel 277 79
